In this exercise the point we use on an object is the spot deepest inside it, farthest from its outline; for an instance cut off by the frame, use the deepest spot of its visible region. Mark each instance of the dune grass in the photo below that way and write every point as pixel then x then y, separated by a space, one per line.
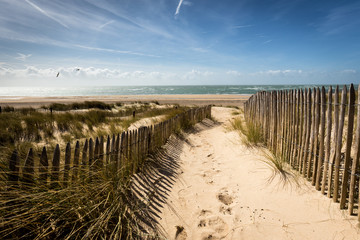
pixel 30 125
pixel 98 204
pixel 102 207
pixel 279 167
pixel 250 132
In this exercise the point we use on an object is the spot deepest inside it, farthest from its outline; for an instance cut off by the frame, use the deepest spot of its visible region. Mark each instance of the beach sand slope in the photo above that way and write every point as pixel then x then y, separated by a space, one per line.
pixel 223 192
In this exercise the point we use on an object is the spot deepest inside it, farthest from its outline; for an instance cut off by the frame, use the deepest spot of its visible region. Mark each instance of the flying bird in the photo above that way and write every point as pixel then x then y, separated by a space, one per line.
pixel 57 75
pixel 78 69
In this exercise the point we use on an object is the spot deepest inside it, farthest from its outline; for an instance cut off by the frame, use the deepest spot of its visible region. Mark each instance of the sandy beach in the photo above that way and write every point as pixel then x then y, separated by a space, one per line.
pixel 199 100
pixel 224 191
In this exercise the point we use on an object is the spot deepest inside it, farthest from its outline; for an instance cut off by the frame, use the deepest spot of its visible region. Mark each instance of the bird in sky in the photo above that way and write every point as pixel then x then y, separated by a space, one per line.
pixel 57 75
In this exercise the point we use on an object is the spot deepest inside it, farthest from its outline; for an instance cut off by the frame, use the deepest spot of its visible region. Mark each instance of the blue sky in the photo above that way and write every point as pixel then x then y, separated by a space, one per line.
pixel 172 42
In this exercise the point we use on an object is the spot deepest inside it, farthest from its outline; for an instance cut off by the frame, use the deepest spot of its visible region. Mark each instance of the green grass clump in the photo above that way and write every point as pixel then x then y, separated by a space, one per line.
pixel 251 133
pixel 79 105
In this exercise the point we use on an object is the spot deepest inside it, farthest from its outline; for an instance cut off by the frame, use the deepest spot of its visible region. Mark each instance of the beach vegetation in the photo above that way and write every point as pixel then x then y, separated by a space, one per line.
pixel 99 204
pixel 102 207
pixel 250 132
pixel 279 167
pixel 65 123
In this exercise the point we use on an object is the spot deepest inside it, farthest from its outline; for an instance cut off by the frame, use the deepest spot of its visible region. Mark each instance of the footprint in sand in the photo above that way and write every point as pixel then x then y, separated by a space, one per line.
pixel 225 210
pixel 180 233
pixel 216 225
pixel 225 198
pixel 204 212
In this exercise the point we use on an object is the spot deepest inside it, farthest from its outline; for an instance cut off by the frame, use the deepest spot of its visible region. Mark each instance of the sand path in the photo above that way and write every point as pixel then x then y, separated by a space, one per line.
pixel 223 192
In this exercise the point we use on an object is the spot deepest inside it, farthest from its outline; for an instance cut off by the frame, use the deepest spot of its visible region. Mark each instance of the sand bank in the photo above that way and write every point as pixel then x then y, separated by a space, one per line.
pixel 200 100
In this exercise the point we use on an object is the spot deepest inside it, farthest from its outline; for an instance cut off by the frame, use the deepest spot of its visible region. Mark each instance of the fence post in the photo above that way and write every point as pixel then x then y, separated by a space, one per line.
pixel 107 151
pixel 339 144
pixel 349 136
pixel 355 164
pixel 55 167
pixel 28 170
pixel 67 163
pixel 316 137
pixel 76 160
pixel 327 141
pixel 336 127
pixel 322 136
pixel 14 168
pixel 308 132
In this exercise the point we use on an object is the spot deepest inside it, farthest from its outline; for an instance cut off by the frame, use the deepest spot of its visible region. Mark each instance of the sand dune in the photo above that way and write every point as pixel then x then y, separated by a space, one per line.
pixel 223 192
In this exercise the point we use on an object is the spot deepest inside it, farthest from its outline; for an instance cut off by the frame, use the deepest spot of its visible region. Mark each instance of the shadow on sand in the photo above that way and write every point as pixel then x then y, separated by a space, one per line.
pixel 151 186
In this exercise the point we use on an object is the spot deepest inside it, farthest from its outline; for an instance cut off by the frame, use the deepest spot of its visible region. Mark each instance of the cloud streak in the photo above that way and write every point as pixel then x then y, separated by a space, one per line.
pixel 107 23
pixel 45 13
pixel 22 57
pixel 116 51
pixel 178 8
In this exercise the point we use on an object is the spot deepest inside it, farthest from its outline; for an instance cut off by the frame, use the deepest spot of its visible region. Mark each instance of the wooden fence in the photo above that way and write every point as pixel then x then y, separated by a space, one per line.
pixel 123 151
pixel 313 130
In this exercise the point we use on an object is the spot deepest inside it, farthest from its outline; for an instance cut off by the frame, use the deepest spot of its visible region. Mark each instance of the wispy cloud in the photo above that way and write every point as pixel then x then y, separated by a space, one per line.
pixel 341 19
pixel 349 71
pixel 268 41
pixel 107 23
pixel 242 26
pixel 46 13
pixel 116 51
pixel 22 57
pixel 178 8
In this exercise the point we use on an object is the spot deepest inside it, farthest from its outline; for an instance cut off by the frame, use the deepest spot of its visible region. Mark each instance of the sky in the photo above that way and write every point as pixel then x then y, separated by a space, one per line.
pixel 179 42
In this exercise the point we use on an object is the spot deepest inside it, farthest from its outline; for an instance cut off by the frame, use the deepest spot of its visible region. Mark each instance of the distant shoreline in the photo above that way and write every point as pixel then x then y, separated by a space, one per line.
pixel 181 99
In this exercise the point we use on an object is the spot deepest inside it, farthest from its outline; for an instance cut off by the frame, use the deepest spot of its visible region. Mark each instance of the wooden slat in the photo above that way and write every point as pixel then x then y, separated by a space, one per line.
pixel 97 152
pixel 67 163
pixel 101 151
pixel 336 127
pixel 76 160
pixel 28 170
pixel 84 158
pixel 308 132
pixel 91 152
pixel 13 175
pixel 355 164
pixel 339 144
pixel 349 138
pixel 312 136
pixel 107 150
pixel 327 141
pixel 55 173
pixel 316 137
pixel 44 166
pixel 320 164
pixel 113 154
pixel 304 131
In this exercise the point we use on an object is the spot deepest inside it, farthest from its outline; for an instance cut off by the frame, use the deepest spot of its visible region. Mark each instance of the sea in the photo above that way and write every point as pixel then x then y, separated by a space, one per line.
pixel 143 90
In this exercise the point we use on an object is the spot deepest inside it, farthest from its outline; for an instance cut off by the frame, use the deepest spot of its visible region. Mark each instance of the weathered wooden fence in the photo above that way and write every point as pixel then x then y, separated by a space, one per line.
pixel 313 130
pixel 125 152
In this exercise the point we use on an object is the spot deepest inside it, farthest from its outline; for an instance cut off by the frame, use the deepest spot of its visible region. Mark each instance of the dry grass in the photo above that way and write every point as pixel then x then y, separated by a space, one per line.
pixel 250 134
pixel 279 167
pixel 100 207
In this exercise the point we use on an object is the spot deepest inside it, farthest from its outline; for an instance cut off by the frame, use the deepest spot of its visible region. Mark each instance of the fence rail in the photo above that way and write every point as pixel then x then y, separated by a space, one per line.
pixel 124 151
pixel 313 130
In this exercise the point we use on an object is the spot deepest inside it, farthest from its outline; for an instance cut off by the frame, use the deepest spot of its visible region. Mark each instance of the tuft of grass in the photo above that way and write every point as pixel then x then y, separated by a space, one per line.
pixel 251 134
pixel 279 167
